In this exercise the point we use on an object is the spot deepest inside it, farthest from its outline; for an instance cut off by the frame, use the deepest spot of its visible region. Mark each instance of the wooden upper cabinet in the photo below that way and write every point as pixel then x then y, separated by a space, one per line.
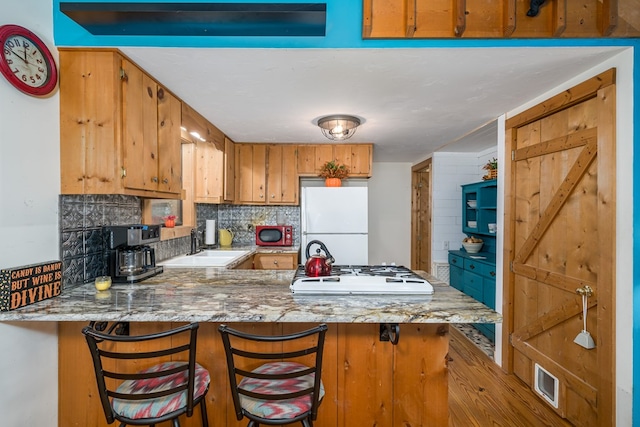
pixel 209 156
pixel 229 170
pixel 151 133
pixel 357 157
pixel 209 173
pixel 250 166
pixel 119 129
pixel 307 160
pixel 498 19
pixel 282 174
pixel 266 174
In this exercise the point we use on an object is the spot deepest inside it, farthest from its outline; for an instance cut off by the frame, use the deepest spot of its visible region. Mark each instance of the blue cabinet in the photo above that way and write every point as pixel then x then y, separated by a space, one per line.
pixel 475 274
pixel 479 209
pixel 476 278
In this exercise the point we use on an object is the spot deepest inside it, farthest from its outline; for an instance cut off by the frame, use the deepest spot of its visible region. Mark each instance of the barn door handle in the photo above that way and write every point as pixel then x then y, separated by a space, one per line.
pixel 585 291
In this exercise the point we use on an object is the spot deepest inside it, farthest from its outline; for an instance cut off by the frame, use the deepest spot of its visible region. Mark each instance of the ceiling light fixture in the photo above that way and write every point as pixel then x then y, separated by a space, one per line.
pixel 338 127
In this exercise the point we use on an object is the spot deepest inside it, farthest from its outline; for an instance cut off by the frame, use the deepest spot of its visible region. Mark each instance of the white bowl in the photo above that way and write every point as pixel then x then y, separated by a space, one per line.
pixel 472 248
pixel 472 224
pixel 472 203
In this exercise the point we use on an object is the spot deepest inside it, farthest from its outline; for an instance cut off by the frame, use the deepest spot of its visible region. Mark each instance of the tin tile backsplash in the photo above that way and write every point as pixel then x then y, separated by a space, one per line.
pixel 81 220
pixel 242 220
pixel 83 216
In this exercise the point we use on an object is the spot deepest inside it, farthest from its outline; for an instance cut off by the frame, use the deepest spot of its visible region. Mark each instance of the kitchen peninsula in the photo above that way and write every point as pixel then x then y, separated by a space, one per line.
pixel 369 381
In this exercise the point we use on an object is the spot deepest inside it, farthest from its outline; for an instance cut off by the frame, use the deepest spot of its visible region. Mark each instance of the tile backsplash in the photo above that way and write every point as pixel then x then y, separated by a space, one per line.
pixel 83 216
pixel 243 219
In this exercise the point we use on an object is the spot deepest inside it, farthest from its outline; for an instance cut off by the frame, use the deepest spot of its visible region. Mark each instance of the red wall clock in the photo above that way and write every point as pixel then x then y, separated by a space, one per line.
pixel 26 62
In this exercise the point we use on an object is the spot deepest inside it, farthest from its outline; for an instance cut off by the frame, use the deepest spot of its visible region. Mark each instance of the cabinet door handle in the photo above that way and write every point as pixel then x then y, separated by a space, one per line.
pixel 275 261
pixel 165 181
pixel 472 267
pixel 492 274
pixel 154 179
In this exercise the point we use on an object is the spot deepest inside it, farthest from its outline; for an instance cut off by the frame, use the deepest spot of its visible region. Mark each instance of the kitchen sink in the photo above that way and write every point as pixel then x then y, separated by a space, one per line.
pixel 206 258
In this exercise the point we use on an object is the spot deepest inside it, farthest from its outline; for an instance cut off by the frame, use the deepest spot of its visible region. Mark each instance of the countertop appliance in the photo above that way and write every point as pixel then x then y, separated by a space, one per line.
pixel 362 280
pixel 337 216
pixel 129 257
pixel 274 235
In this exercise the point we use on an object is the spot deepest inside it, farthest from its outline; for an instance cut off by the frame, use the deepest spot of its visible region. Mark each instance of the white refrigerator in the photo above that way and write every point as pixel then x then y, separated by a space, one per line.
pixel 337 216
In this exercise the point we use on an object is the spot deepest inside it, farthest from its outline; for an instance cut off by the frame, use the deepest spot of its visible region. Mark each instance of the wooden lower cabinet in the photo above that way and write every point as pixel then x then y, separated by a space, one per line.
pixel 367 381
pixel 275 261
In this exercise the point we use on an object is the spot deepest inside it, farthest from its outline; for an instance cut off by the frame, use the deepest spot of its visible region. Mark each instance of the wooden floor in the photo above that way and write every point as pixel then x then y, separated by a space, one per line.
pixel 482 395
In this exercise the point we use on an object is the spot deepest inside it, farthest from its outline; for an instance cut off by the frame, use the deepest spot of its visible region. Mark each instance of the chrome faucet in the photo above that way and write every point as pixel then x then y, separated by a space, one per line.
pixel 194 242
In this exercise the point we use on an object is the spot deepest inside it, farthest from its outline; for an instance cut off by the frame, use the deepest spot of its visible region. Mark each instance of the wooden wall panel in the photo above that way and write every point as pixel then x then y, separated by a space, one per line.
pixel 364 369
pixel 499 18
pixel 367 381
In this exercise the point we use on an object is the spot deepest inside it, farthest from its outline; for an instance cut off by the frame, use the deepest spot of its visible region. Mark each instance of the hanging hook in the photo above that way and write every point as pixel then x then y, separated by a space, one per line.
pixel 586 290
pixel 584 338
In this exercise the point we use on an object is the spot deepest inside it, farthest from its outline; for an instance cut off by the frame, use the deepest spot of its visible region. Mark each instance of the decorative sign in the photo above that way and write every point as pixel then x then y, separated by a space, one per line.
pixel 22 286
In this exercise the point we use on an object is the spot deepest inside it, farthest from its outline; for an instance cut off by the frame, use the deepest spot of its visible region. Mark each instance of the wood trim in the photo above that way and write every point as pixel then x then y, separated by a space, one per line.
pixel 509 20
pixel 608 19
pixel 559 314
pixel 549 278
pixel 573 140
pixel 606 270
pixel 367 18
pixel 559 17
pixel 459 17
pixel 578 169
pixel 563 100
pixel 508 277
pixel 410 18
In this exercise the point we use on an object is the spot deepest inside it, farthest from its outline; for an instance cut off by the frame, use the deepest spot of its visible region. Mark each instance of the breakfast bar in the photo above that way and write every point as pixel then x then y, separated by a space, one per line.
pixel 370 380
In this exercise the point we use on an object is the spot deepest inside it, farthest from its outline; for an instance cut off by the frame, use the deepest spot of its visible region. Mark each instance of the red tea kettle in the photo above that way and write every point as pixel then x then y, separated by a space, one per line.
pixel 318 264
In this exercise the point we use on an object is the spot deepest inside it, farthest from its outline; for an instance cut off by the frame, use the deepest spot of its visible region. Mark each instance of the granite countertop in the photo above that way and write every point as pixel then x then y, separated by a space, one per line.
pixel 226 295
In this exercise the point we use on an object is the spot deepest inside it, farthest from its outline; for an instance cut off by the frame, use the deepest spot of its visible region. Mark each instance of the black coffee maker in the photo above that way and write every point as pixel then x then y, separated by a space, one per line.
pixel 128 256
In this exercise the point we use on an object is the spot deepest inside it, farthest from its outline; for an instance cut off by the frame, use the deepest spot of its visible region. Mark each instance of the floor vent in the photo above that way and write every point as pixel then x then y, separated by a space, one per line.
pixel 440 270
pixel 546 385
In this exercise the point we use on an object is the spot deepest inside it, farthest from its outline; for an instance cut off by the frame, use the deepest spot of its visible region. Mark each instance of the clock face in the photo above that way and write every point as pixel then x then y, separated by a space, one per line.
pixel 26 62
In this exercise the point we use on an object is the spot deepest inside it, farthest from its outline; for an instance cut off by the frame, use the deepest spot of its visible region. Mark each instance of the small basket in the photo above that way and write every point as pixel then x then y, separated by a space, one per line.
pixel 491 174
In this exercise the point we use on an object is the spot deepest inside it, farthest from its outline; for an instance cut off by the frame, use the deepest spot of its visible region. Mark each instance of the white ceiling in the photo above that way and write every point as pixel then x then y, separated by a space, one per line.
pixel 412 101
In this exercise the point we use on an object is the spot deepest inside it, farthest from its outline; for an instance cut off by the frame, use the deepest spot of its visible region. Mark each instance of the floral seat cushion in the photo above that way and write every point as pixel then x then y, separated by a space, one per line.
pixel 153 408
pixel 278 409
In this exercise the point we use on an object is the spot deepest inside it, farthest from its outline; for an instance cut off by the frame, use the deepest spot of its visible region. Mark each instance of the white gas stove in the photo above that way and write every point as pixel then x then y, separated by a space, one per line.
pixel 362 280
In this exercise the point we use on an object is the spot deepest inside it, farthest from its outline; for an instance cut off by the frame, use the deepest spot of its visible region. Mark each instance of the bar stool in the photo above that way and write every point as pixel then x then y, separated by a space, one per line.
pixel 280 390
pixel 162 390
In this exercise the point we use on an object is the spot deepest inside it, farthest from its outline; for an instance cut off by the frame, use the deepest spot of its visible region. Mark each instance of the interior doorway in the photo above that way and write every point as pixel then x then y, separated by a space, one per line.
pixel 421 216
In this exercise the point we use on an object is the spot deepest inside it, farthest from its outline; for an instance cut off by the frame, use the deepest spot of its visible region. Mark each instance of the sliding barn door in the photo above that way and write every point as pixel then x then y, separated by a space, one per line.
pixel 560 245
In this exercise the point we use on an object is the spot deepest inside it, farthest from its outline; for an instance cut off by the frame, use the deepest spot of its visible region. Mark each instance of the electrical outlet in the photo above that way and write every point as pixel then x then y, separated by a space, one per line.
pixel 445 245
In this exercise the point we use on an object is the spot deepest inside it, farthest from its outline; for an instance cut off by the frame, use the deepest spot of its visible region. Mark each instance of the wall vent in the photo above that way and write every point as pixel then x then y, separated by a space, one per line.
pixel 546 385
pixel 440 270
